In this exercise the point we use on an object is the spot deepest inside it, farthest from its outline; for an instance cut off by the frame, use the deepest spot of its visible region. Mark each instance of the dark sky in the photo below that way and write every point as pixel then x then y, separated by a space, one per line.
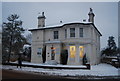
pixel 106 14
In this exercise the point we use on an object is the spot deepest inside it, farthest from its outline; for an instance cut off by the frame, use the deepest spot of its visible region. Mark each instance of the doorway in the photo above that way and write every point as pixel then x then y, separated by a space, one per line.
pixel 81 51
pixel 52 53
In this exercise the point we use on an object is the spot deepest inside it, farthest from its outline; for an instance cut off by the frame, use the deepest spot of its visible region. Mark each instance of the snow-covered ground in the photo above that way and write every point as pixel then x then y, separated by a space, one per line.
pixel 52 64
pixel 96 70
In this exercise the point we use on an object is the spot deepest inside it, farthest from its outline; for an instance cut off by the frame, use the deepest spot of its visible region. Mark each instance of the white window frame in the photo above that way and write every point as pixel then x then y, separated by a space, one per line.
pixel 56 36
pixel 72 32
pixel 81 32
pixel 39 51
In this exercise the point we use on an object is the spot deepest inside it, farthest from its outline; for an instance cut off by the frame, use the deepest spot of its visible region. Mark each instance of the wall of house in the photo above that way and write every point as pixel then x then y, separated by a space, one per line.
pixel 35 57
pixel 37 35
pixel 50 37
pixel 37 42
pixel 57 52
pixel 85 39
pixel 95 45
pixel 90 41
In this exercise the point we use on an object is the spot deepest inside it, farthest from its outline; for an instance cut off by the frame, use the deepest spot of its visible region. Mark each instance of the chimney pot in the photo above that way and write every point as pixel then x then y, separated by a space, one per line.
pixel 60 21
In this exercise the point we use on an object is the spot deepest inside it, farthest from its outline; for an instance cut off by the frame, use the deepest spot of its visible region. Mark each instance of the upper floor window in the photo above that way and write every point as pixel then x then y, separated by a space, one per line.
pixel 72 32
pixel 56 35
pixel 81 32
pixel 65 33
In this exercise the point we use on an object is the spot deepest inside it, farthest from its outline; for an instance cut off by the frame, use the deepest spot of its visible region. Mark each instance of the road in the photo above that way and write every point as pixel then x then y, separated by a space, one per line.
pixel 13 75
pixel 10 74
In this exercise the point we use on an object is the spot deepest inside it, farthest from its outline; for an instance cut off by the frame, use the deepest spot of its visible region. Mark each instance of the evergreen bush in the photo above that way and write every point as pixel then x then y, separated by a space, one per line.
pixel 64 57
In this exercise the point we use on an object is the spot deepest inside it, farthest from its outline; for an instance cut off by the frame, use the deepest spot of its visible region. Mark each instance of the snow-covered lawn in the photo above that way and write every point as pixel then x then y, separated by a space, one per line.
pixel 96 70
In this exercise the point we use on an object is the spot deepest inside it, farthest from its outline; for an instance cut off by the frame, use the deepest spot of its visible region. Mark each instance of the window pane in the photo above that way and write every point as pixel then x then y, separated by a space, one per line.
pixel 72 51
pixel 55 34
pixel 81 32
pixel 81 48
pixel 72 32
pixel 39 51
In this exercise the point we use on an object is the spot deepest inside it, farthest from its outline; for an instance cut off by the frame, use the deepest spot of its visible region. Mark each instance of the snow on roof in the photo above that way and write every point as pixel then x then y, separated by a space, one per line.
pixel 57 25
pixel 61 24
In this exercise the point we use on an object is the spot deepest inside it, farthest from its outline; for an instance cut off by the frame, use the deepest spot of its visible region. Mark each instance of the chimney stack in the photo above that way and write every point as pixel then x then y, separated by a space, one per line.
pixel 91 16
pixel 41 20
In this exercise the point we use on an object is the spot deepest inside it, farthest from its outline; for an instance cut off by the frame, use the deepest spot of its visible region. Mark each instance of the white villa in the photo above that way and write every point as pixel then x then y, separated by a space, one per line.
pixel 78 38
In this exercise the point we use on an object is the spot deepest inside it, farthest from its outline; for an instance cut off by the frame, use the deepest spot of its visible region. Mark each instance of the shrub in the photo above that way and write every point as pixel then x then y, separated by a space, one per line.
pixel 44 54
pixel 64 57
pixel 84 59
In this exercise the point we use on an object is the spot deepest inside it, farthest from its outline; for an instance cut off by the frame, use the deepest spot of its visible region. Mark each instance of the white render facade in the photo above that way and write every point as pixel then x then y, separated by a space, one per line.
pixel 79 38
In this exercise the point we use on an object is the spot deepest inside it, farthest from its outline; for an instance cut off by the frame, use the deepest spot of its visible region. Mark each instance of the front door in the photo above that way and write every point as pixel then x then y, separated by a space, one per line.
pixel 52 53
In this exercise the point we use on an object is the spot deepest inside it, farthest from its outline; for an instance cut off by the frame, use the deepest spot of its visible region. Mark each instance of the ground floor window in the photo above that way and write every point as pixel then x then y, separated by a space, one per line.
pixel 72 51
pixel 39 51
pixel 81 48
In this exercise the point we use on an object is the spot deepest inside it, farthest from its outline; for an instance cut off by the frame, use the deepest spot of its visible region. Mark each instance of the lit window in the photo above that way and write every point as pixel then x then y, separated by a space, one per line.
pixel 81 32
pixel 72 51
pixel 81 48
pixel 72 32
pixel 56 35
